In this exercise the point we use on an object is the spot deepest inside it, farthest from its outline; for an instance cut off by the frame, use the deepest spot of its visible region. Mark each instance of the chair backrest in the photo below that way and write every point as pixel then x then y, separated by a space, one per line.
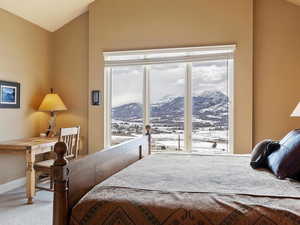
pixel 71 137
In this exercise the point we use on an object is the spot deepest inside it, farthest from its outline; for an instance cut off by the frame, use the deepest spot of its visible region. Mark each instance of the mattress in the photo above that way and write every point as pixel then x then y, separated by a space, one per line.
pixel 180 189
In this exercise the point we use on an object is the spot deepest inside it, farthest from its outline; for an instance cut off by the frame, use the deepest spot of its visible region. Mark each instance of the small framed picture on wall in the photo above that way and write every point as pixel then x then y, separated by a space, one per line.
pixel 9 95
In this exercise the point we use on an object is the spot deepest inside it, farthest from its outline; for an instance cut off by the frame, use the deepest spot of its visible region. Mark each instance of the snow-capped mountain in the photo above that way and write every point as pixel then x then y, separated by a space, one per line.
pixel 164 100
pixel 127 112
pixel 210 108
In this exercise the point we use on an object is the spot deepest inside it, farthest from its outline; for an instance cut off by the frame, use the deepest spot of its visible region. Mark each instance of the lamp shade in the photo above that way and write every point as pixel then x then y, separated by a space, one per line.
pixel 296 112
pixel 52 103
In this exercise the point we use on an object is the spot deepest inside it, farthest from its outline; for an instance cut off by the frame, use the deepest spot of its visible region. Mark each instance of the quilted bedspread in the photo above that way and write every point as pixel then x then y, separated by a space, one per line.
pixel 172 189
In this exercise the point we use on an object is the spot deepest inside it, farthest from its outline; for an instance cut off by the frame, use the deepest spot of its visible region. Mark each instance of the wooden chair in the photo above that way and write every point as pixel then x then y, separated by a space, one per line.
pixel 71 137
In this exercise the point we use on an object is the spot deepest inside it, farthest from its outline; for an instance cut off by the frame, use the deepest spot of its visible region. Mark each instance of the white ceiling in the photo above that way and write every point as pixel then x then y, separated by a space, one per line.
pixel 52 14
pixel 48 14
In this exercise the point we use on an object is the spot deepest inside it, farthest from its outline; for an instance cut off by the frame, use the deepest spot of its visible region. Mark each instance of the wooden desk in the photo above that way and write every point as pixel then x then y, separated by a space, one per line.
pixel 30 147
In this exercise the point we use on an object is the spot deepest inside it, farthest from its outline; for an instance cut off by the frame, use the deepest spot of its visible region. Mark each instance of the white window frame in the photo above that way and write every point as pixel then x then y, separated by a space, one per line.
pixel 206 53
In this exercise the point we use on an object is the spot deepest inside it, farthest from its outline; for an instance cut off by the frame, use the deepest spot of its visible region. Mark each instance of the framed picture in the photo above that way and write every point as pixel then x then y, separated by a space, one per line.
pixel 9 95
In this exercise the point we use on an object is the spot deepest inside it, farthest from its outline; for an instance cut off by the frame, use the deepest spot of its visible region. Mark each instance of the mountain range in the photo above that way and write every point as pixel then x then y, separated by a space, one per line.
pixel 209 109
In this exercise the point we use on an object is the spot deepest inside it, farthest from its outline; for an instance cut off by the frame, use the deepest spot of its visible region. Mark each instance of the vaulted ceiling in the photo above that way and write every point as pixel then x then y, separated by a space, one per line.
pixel 48 14
pixel 53 14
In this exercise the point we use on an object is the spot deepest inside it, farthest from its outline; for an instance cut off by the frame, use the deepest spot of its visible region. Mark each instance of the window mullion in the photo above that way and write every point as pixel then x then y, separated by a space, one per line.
pixel 108 106
pixel 230 74
pixel 146 94
pixel 188 109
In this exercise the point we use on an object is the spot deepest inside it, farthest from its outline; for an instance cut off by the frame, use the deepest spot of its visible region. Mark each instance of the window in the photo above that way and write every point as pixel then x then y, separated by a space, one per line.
pixel 167 106
pixel 126 103
pixel 184 94
pixel 210 106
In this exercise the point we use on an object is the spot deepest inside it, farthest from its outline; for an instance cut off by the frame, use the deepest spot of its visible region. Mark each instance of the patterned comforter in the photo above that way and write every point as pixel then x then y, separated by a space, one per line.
pixel 171 189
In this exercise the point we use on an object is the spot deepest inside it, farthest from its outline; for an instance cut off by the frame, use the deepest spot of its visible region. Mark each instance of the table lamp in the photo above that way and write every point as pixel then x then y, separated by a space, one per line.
pixel 52 103
pixel 296 112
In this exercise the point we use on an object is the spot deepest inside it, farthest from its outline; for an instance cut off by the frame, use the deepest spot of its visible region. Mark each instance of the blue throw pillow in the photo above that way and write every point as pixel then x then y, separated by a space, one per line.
pixel 285 162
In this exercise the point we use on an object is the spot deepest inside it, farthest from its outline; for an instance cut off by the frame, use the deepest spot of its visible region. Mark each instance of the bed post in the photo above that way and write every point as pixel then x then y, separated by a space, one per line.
pixel 60 174
pixel 148 133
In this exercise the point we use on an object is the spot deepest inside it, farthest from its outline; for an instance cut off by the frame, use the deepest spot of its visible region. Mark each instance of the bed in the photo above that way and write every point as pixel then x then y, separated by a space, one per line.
pixel 120 186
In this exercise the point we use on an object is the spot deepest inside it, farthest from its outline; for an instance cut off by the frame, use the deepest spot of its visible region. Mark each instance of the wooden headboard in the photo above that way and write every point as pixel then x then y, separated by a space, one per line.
pixel 72 180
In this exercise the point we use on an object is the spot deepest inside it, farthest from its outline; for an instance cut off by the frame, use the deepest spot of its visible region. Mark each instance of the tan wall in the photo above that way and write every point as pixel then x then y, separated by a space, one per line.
pixel 25 58
pixel 136 24
pixel 276 68
pixel 70 74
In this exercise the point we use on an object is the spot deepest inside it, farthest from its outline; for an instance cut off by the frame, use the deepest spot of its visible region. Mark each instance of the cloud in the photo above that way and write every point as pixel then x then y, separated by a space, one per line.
pixel 127 85
pixel 210 74
pixel 167 80
pixel 118 100
pixel 180 82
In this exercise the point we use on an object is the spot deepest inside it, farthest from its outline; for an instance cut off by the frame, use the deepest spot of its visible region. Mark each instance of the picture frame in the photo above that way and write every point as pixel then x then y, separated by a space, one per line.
pixel 9 95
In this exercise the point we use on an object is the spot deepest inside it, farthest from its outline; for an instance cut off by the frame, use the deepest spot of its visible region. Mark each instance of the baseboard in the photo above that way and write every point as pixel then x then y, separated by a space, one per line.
pixel 12 185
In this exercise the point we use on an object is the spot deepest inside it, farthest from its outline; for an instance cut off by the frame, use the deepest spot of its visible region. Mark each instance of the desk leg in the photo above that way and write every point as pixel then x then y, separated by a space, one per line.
pixel 30 176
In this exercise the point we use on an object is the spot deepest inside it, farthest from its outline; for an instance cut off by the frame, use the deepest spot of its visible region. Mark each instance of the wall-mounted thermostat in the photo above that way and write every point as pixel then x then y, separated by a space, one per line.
pixel 96 97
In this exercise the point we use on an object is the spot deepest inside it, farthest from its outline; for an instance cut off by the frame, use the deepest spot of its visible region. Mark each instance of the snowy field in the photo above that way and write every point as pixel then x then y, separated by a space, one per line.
pixel 203 141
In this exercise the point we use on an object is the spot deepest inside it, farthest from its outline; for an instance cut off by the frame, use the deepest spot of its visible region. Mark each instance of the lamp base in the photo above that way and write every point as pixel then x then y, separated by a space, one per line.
pixel 51 131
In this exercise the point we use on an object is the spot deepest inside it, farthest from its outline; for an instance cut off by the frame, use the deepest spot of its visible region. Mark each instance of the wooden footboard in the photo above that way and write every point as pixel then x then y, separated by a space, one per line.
pixel 72 180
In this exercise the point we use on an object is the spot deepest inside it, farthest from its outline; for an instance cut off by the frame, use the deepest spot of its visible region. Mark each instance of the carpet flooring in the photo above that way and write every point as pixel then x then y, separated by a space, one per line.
pixel 15 211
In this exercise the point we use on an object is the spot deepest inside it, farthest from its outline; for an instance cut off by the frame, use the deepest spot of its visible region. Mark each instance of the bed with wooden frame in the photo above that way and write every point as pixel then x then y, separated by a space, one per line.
pixel 73 180
pixel 120 186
